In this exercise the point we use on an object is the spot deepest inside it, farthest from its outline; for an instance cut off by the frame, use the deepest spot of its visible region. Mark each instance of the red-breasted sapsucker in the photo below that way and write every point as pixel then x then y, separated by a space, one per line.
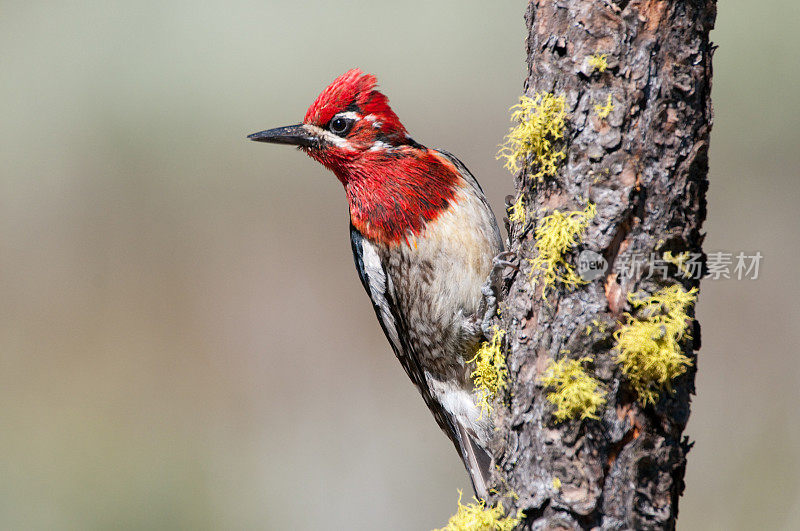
pixel 423 238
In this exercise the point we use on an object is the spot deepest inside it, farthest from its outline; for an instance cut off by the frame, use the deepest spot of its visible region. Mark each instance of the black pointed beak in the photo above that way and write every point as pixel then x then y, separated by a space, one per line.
pixel 296 135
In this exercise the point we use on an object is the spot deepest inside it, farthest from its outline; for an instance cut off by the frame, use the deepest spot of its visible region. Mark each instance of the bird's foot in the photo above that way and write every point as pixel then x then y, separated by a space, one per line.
pixel 491 288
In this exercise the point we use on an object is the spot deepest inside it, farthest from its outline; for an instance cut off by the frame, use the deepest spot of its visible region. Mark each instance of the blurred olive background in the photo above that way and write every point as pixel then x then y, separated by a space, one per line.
pixel 184 343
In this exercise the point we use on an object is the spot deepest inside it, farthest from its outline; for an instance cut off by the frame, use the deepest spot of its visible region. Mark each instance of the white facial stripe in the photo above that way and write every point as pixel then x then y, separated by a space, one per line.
pixel 336 140
pixel 374 119
pixel 379 146
pixel 349 114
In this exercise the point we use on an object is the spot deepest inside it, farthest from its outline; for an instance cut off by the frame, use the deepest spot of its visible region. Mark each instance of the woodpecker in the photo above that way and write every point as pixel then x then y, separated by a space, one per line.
pixel 423 239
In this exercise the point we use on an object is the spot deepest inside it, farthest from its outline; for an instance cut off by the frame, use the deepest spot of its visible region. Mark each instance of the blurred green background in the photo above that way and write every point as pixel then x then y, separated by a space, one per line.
pixel 184 343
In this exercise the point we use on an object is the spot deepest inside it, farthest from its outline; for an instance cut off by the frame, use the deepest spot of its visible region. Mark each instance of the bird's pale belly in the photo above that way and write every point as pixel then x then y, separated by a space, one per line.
pixel 436 279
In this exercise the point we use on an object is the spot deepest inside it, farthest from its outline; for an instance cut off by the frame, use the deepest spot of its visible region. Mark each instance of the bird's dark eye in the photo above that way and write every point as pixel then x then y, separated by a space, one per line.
pixel 340 125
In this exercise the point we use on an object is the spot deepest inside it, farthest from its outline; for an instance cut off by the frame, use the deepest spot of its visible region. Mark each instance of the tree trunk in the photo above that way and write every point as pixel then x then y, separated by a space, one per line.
pixel 644 165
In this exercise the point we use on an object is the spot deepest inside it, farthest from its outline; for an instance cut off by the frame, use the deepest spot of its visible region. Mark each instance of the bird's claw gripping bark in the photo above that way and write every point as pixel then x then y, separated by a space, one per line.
pixel 491 288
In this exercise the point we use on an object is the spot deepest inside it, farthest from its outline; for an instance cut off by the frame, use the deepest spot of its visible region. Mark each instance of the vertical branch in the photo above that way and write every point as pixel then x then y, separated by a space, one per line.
pixel 636 78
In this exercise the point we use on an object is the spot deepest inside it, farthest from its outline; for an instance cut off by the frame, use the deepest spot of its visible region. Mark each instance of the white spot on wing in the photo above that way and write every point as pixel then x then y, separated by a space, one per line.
pixel 378 286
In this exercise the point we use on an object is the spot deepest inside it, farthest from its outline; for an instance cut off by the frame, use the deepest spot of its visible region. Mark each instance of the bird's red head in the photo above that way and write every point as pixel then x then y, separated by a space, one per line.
pixel 394 185
pixel 364 113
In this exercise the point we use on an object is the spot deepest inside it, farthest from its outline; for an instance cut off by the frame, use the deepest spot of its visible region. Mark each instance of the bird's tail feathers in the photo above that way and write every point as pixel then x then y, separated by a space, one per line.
pixel 477 461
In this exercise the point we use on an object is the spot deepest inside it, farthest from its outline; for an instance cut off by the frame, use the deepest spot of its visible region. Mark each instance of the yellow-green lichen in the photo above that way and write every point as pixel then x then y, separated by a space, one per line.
pixel 516 212
pixel 679 261
pixel 508 494
pixel 490 371
pixel 601 326
pixel 576 394
pixel 598 62
pixel 556 483
pixel 508 491
pixel 540 122
pixel 649 345
pixel 557 234
pixel 604 110
pixel 477 517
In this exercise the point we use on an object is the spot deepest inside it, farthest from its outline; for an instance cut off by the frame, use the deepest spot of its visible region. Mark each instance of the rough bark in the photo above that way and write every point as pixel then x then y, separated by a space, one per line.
pixel 645 167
